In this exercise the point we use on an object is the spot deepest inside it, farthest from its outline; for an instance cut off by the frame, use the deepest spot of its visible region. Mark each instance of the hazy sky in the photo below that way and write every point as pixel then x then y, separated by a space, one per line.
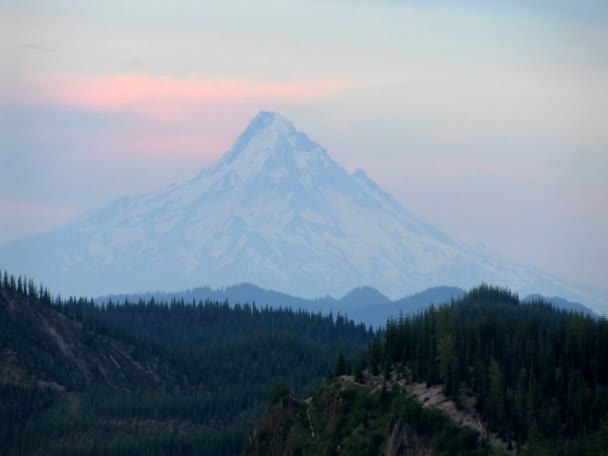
pixel 489 121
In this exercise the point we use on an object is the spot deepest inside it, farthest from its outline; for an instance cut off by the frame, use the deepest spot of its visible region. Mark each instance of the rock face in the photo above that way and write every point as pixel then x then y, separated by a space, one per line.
pixel 277 211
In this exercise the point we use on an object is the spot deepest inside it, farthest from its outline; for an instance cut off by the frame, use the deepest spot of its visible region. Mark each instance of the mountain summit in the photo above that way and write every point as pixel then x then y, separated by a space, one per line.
pixel 272 151
pixel 277 211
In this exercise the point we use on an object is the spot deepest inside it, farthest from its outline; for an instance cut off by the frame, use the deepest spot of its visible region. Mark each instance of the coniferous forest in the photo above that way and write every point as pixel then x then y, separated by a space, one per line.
pixel 195 377
pixel 539 376
pixel 151 377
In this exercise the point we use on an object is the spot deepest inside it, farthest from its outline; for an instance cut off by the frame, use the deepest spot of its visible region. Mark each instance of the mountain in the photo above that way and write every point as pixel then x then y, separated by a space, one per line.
pixel 244 293
pixel 276 210
pixel 362 304
pixel 560 303
pixel 362 297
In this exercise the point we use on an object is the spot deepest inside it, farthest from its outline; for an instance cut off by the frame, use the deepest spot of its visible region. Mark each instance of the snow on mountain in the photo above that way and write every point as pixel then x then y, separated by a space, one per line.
pixel 276 210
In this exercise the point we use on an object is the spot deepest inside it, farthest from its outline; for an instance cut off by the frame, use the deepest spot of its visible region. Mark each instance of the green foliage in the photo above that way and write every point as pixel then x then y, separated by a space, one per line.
pixel 359 421
pixel 340 368
pixel 537 373
pixel 539 376
pixel 215 364
pixel 278 392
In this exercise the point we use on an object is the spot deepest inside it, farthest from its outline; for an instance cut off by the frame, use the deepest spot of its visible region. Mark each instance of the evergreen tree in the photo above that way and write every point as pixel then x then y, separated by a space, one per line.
pixel 340 368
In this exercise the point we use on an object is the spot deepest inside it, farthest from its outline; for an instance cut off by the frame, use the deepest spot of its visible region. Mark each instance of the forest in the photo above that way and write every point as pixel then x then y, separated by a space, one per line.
pixel 214 366
pixel 539 375
pixel 179 377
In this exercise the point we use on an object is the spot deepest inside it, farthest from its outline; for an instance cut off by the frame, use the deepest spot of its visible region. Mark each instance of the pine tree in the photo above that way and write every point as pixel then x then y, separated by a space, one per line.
pixel 340 368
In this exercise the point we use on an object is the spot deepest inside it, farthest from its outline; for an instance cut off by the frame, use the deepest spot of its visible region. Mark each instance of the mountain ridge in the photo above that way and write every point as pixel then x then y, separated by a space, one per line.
pixel 362 304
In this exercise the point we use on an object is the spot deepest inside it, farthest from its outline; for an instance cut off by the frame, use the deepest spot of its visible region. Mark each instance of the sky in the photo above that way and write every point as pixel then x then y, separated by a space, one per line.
pixel 487 119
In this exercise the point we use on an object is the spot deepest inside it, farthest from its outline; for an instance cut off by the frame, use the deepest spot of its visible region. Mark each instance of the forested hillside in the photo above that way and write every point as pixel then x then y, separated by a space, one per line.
pixel 149 377
pixel 194 377
pixel 510 378
pixel 535 372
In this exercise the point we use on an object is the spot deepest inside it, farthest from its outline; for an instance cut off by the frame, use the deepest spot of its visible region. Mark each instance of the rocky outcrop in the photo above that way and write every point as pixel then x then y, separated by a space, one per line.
pixel 376 415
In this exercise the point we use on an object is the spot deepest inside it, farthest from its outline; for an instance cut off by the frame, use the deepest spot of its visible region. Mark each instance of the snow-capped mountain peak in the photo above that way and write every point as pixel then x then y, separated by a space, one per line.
pixel 272 147
pixel 264 130
pixel 277 211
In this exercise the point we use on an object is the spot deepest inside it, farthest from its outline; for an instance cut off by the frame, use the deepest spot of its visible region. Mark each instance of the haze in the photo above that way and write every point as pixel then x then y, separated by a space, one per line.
pixel 488 121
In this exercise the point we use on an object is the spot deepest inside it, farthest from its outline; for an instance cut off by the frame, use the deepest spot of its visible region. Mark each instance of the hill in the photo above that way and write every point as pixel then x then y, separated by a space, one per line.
pixel 42 346
pixel 483 375
pixel 560 303
pixel 371 416
pixel 150 377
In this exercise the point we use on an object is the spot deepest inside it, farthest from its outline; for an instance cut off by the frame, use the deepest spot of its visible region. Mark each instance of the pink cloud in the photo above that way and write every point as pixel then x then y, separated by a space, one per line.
pixel 185 116
pixel 188 129
pixel 143 93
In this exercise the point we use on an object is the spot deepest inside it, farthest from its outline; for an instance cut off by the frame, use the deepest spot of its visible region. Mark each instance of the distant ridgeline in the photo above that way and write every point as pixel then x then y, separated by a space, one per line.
pixel 149 377
pixel 363 304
